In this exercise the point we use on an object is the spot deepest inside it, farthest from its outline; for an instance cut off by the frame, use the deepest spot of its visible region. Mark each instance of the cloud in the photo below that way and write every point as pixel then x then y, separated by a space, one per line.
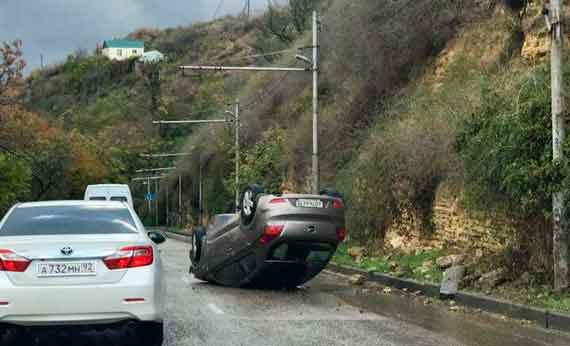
pixel 54 28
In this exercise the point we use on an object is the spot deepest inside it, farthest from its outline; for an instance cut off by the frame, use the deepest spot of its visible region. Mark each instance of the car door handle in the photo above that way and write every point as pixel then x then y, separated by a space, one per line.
pixel 229 250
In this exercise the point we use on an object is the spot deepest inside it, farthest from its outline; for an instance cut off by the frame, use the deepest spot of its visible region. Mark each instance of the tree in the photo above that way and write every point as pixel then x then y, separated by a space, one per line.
pixel 299 11
pixel 286 23
pixel 12 64
pixel 14 181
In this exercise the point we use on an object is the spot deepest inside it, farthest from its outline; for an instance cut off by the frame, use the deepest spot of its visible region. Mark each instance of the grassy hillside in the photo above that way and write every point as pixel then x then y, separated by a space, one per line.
pixel 415 97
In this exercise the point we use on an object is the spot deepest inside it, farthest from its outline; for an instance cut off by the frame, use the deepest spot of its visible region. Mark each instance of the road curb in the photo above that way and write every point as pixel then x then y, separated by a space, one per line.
pixel 544 318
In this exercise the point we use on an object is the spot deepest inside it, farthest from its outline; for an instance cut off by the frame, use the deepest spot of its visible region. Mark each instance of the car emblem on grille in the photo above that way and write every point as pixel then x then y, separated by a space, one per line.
pixel 67 251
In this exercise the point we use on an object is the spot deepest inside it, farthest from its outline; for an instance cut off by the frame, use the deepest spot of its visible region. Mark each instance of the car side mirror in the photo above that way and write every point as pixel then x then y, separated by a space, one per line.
pixel 156 237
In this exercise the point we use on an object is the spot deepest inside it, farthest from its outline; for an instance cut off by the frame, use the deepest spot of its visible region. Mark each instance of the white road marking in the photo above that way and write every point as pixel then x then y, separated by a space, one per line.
pixel 215 309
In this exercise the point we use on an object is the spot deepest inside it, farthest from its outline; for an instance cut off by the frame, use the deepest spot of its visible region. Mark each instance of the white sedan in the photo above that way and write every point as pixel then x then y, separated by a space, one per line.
pixel 82 264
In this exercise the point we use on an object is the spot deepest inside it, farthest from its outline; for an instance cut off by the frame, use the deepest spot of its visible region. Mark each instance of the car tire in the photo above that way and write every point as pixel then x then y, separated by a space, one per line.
pixel 152 334
pixel 197 242
pixel 248 203
pixel 3 331
pixel 17 336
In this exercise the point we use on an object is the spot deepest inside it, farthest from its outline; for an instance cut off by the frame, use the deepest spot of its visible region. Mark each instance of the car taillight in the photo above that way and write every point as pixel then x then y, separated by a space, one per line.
pixel 341 233
pixel 337 204
pixel 12 262
pixel 271 232
pixel 130 257
pixel 278 200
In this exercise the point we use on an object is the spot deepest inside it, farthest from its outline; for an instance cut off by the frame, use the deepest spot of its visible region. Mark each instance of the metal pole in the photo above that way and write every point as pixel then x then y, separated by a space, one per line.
pixel 155 170
pixel 315 167
pixel 176 122
pixel 180 196
pixel 148 194
pixel 149 178
pixel 156 202
pixel 248 68
pixel 237 153
pixel 560 224
pixel 164 155
pixel 200 194
pixel 167 205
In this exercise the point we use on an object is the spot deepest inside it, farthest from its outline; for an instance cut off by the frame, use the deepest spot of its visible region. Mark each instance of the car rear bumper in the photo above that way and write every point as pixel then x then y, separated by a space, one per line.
pixel 93 304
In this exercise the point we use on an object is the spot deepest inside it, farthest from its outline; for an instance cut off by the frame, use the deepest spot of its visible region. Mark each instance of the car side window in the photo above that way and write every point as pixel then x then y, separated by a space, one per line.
pixel 119 198
pixel 97 198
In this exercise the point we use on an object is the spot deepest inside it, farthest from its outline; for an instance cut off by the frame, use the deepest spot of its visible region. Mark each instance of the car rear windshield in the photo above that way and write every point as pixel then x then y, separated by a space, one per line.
pixel 53 220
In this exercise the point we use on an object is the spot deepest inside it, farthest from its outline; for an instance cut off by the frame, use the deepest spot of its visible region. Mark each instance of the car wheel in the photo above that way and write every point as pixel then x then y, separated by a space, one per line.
pixel 152 334
pixel 3 330
pixel 17 336
pixel 248 203
pixel 197 241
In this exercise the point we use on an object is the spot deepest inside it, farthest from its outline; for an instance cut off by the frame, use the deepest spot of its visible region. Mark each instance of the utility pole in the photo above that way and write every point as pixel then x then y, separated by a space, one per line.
pixel 559 222
pixel 156 201
pixel 180 196
pixel 200 196
pixel 235 119
pixel 152 170
pixel 148 199
pixel 167 206
pixel 315 166
pixel 237 153
pixel 153 156
pixel 314 66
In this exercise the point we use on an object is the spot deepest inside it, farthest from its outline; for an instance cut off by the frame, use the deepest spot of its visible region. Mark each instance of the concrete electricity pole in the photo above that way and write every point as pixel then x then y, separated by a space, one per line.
pixel 559 222
pixel 315 166
pixel 314 66
pixel 180 196
pixel 156 202
pixel 237 154
pixel 154 156
pixel 247 9
pixel 235 119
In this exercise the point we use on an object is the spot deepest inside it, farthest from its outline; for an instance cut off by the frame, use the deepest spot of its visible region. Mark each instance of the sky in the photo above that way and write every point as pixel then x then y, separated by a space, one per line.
pixel 55 28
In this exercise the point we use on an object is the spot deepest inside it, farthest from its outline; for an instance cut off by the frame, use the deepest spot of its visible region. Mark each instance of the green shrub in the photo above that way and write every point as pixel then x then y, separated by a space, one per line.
pixel 506 147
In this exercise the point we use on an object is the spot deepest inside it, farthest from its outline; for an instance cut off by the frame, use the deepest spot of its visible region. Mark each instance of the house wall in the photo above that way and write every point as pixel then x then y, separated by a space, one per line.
pixel 122 53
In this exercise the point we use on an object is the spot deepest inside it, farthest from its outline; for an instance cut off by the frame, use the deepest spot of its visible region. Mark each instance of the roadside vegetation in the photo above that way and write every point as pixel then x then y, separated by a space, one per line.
pixel 439 97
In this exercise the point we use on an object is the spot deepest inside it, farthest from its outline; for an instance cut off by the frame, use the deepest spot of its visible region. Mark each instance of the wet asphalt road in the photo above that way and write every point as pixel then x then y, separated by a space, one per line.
pixel 325 312
pixel 204 314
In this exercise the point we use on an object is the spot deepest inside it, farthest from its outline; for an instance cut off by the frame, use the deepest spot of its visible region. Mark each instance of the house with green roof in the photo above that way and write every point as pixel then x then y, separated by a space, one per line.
pixel 123 49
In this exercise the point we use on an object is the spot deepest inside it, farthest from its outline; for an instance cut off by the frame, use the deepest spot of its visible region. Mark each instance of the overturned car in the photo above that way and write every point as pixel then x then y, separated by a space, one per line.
pixel 274 241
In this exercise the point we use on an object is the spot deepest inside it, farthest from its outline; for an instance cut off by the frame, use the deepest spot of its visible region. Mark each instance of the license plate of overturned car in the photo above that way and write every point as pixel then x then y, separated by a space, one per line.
pixel 310 203
pixel 55 269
